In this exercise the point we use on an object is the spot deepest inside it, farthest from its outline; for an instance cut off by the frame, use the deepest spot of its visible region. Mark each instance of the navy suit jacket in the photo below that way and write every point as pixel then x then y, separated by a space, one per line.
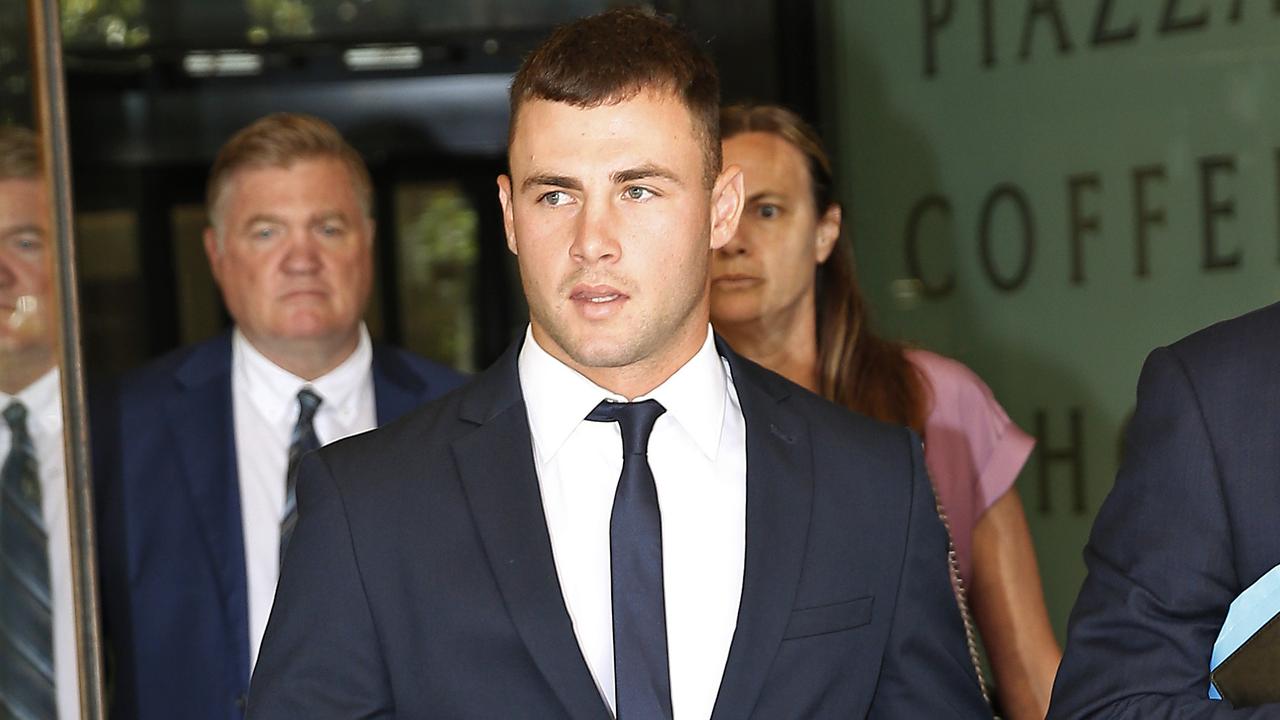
pixel 1193 520
pixel 171 544
pixel 420 582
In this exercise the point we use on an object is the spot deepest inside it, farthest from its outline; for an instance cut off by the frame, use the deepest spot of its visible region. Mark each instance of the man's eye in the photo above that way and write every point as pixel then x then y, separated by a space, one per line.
pixel 768 212
pixel 28 243
pixel 330 230
pixel 638 193
pixel 554 198
pixel 265 232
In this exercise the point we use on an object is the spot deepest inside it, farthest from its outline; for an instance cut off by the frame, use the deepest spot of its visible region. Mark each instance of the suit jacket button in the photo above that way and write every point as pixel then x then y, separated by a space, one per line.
pixel 241 703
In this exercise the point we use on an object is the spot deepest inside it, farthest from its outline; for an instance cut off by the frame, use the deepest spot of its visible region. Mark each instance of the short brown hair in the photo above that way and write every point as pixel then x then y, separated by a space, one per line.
pixel 614 56
pixel 19 153
pixel 280 140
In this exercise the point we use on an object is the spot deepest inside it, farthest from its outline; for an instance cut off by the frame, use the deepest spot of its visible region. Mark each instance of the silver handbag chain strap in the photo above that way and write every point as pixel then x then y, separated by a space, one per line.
pixel 957 585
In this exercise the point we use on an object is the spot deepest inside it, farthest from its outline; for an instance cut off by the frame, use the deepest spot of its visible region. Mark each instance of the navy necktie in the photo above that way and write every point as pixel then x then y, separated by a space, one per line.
pixel 641 676
pixel 303 440
pixel 26 627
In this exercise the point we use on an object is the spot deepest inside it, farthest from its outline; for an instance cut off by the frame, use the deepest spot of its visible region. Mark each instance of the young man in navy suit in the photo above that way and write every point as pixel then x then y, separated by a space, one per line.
pixel 621 518
pixel 194 453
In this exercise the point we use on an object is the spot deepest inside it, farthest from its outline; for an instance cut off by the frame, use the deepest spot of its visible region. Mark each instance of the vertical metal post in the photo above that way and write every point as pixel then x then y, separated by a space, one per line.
pixel 50 95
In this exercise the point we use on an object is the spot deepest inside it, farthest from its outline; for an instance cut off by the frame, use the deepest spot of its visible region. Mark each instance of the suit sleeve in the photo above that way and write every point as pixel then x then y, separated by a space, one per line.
pixel 1160 570
pixel 926 671
pixel 112 552
pixel 320 655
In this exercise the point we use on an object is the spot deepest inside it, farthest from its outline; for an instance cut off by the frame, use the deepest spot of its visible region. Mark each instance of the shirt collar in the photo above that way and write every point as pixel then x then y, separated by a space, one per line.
pixel 559 398
pixel 274 390
pixel 43 399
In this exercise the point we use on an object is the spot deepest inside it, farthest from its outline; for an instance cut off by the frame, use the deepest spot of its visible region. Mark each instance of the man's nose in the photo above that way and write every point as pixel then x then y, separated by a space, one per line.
pixel 594 238
pixel 302 253
pixel 7 275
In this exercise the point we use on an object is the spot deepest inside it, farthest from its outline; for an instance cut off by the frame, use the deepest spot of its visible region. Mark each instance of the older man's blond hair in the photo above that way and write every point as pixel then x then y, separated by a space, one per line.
pixel 280 140
pixel 19 153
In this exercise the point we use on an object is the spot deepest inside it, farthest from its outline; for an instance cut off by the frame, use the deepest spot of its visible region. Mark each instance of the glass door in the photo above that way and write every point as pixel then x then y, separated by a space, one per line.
pixel 49 643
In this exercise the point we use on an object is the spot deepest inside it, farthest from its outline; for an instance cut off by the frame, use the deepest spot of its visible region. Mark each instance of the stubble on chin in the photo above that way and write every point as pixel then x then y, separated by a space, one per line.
pixel 611 350
pixel 616 343
pixel 587 346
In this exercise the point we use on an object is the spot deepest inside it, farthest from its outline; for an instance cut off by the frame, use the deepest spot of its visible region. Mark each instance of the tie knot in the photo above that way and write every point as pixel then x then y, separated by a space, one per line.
pixel 308 403
pixel 636 420
pixel 16 416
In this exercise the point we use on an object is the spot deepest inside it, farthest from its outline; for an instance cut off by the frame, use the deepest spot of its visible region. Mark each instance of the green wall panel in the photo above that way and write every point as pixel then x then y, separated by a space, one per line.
pixel 1078 182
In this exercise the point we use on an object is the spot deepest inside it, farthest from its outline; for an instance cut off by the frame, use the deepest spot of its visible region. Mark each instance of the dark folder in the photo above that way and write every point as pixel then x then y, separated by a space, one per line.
pixel 1251 675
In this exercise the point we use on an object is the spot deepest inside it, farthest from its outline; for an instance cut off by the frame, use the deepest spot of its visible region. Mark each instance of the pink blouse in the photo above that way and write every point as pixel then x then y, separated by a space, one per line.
pixel 972 449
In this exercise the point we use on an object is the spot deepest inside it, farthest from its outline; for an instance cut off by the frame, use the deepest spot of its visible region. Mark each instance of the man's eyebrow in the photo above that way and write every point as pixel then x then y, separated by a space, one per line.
pixel 263 218
pixel 548 180
pixel 22 230
pixel 648 170
pixel 328 215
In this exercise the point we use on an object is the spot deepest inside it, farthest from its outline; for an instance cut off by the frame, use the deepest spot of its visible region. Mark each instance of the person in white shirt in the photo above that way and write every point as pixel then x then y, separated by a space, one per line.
pixel 621 518
pixel 38 660
pixel 194 454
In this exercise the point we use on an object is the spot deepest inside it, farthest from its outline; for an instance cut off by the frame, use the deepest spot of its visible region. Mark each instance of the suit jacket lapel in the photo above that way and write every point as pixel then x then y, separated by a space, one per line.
pixel 203 427
pixel 495 463
pixel 779 497
pixel 397 389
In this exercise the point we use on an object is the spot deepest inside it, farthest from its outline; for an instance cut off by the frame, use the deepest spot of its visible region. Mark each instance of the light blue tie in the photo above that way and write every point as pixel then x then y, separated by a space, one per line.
pixel 26 627
pixel 303 440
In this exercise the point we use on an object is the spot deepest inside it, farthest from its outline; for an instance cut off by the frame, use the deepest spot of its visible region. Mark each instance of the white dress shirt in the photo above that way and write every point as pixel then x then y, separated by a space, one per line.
pixel 43 399
pixel 264 399
pixel 698 456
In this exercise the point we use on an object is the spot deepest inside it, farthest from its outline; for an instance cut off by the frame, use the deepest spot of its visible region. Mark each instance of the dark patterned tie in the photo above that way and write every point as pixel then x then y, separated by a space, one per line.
pixel 641 676
pixel 303 440
pixel 26 628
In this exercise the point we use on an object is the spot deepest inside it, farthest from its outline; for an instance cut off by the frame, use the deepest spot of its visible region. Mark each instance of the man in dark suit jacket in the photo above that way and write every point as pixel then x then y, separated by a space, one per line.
pixel 1189 525
pixel 192 452
pixel 763 553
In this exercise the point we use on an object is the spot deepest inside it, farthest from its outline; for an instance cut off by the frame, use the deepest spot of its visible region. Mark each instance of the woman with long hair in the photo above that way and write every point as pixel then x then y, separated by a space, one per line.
pixel 784 294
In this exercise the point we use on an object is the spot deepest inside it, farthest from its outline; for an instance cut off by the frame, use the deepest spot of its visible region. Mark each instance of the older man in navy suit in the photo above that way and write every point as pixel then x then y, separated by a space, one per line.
pixel 621 518
pixel 1189 525
pixel 195 453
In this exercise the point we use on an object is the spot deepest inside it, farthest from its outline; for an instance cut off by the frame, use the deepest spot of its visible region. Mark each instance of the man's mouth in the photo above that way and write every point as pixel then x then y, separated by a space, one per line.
pixel 595 293
pixel 598 302
pixel 303 293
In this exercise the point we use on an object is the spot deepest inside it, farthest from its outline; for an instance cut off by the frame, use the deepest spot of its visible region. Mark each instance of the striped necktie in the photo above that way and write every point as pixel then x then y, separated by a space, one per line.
pixel 303 440
pixel 26 626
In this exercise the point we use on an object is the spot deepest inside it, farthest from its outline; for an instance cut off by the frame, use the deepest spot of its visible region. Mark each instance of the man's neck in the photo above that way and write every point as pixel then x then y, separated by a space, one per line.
pixel 634 380
pixel 19 371
pixel 308 359
pixel 642 377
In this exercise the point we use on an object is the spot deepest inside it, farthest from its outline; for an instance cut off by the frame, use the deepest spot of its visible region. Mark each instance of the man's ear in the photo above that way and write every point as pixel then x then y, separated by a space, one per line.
pixel 508 212
pixel 828 233
pixel 726 206
pixel 213 252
